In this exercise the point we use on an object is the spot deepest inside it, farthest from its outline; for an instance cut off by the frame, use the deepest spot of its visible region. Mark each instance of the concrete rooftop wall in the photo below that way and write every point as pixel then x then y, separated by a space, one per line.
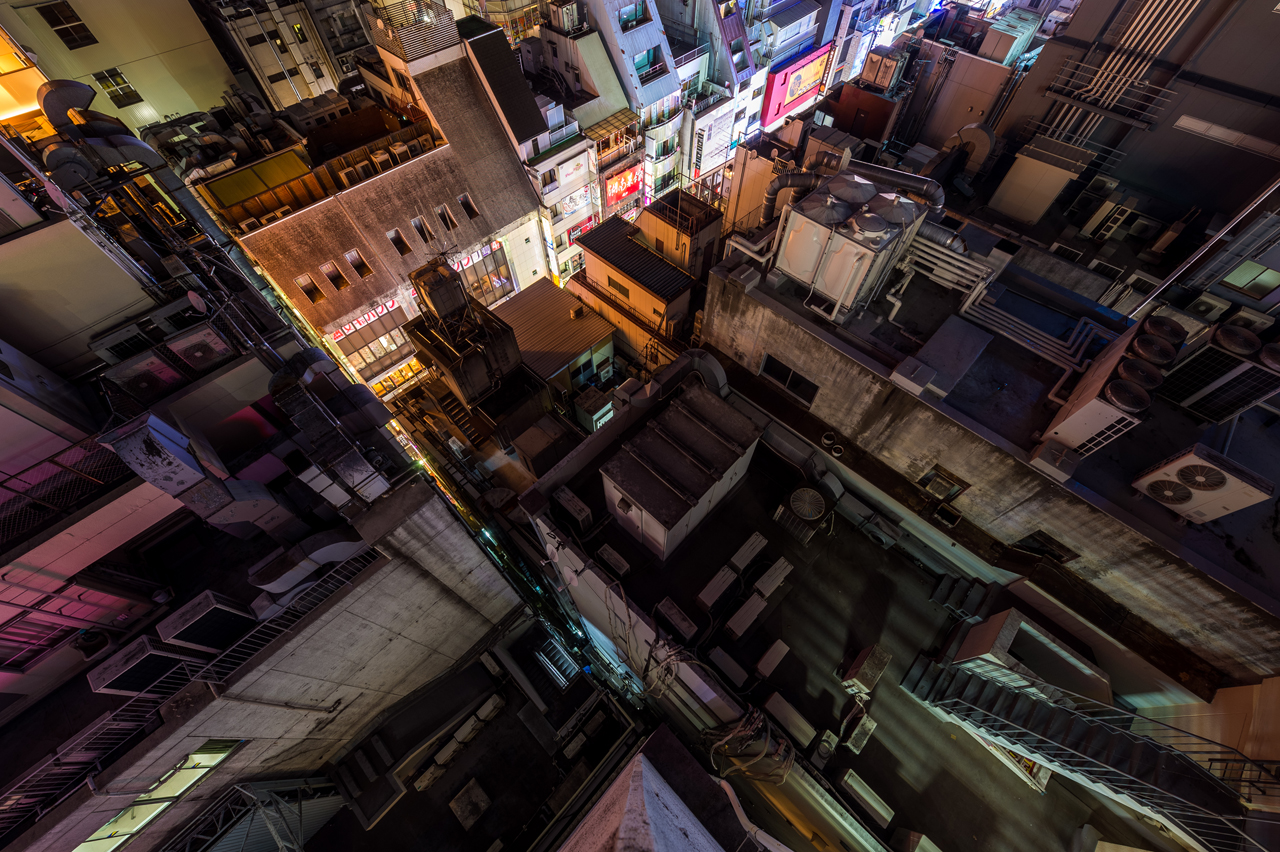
pixel 1008 500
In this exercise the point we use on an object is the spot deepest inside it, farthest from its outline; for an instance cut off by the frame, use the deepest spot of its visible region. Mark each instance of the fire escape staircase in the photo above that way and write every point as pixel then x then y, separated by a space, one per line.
pixel 1199 788
pixel 460 417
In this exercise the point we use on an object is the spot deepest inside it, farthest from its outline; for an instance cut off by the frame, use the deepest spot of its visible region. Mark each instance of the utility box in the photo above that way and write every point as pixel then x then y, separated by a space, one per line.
pixel 864 673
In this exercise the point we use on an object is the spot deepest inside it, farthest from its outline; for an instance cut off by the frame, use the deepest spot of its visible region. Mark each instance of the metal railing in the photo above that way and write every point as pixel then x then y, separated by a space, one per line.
pixel 58 776
pixel 653 73
pixel 50 490
pixel 602 293
pixel 562 133
pixel 1239 773
pixel 689 56
pixel 1212 831
pixel 1135 98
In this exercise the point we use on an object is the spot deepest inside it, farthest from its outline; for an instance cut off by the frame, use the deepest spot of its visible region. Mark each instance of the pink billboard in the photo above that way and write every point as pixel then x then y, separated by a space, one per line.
pixel 793 83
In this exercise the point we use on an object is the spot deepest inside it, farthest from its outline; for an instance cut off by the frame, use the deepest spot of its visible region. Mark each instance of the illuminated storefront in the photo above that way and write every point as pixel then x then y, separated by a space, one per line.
pixel 794 83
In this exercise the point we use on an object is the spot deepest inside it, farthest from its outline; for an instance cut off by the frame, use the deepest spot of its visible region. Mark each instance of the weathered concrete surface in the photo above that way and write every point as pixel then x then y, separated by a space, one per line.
pixel 393 631
pixel 1007 500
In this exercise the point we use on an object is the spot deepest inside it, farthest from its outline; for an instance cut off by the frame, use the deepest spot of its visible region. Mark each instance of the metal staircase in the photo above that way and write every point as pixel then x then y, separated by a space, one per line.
pixel 458 415
pixel 1197 787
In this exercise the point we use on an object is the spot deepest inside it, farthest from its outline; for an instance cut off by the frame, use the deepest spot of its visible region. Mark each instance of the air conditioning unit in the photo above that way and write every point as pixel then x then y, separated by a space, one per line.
pixel 1207 307
pixel 1203 485
pixel 250 224
pixel 1087 424
pixel 1229 373
pixel 211 622
pixel 400 152
pixel 366 169
pixel 349 177
pixel 200 348
pixel 803 513
pixel 414 146
pixel 1255 321
pixel 181 313
pixel 145 377
pixel 382 160
pixel 121 344
pixel 140 665
pixel 576 509
pixel 1103 184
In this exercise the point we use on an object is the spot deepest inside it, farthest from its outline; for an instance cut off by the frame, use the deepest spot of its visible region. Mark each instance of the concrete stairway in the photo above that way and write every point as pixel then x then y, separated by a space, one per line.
pixel 457 413
pixel 1106 752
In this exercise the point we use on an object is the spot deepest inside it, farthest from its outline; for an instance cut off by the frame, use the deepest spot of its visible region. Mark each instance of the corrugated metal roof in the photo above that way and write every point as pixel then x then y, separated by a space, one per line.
pixel 548 338
pixel 612 242
pixel 795 12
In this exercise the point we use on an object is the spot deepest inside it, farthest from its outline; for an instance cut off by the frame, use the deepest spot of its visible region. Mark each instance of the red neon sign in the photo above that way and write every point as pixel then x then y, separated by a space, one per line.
pixel 623 184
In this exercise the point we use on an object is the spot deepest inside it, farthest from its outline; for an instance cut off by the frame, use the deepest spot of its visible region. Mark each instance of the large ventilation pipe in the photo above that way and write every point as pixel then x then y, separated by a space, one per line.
pixel 805 180
pixel 823 158
pixel 925 187
pixel 944 237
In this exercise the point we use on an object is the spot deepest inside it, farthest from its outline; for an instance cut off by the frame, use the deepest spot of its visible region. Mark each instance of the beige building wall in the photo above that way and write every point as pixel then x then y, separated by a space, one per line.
pixel 159 46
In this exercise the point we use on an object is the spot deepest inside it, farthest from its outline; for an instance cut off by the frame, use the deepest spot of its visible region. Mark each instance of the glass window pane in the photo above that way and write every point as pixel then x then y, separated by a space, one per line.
pixel 179 783
pixel 377 349
pixel 397 337
pixel 129 820
pixel 1267 280
pixel 1243 274
pixel 387 343
pixel 356 359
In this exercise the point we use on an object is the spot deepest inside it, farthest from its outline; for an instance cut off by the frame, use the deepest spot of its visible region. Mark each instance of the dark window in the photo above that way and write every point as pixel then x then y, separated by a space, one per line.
pixel 554 54
pixel 358 263
pixel 397 239
pixel 657 245
pixel 756 93
pixel 255 40
pixel 66 25
pixel 468 206
pixel 116 87
pixel 403 82
pixel 300 34
pixel 309 288
pixel 742 87
pixel 446 218
pixel 755 119
pixel 275 78
pixel 621 288
pixel 648 60
pixel 420 225
pixel 335 276
pixel 548 178
pixel 316 70
pixel 789 379
pixel 941 484
pixel 740 114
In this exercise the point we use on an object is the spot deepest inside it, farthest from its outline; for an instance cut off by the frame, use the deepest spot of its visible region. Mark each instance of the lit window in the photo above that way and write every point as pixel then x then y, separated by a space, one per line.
pixel 420 225
pixel 309 289
pixel 299 33
pixel 397 239
pixel 171 789
pixel 358 263
pixel 66 25
pixel 1253 279
pixel 116 87
pixel 335 276
pixel 468 206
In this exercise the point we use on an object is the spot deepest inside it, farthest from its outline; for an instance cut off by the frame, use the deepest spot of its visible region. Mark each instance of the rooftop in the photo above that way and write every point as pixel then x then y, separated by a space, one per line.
pixel 549 336
pixel 615 242
pixel 503 77
pixel 684 211
pixel 797 11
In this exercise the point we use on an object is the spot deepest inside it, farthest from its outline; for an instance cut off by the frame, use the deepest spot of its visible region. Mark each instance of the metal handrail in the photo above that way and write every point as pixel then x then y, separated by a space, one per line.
pixel 1106 713
pixel 1196 820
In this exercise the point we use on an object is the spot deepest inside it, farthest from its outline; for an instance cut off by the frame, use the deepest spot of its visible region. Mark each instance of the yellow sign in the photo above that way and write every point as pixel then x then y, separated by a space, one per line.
pixel 806 77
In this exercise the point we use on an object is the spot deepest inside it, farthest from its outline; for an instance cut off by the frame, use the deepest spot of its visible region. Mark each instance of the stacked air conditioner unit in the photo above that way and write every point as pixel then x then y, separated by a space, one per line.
pixel 1229 372
pixel 210 622
pixel 1113 394
pixel 1202 485
pixel 1209 308
pixel 200 348
pixel 140 665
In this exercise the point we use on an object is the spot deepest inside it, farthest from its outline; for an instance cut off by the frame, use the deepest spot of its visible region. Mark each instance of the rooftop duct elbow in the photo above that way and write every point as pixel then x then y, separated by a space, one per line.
pixel 925 187
pixel 944 237
pixel 58 97
pixel 804 180
pixel 831 159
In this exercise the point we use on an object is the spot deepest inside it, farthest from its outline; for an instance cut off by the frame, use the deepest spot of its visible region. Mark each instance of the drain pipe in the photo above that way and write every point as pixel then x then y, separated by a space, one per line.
pixel 749 827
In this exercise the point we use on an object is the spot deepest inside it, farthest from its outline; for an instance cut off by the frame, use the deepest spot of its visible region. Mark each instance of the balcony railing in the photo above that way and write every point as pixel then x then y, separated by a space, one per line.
pixel 49 491
pixel 685 58
pixel 603 293
pixel 562 133
pixel 653 73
